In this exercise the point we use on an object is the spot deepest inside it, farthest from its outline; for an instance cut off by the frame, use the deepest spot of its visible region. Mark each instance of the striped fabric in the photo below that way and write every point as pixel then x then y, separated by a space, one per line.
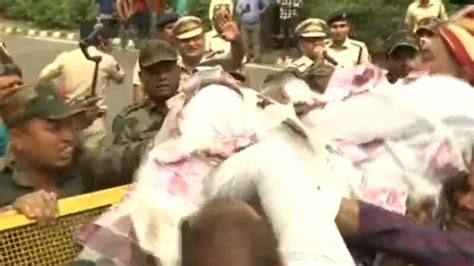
pixel 459 37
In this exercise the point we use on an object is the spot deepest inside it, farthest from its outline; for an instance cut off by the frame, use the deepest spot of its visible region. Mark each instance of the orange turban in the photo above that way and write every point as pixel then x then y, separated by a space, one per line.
pixel 458 35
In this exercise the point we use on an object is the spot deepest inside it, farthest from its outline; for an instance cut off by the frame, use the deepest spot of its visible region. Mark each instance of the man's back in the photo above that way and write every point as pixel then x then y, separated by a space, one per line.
pixel 77 72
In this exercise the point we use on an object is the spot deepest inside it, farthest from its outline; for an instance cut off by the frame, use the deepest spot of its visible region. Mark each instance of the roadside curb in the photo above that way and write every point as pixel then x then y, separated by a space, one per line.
pixel 31 32
pixel 51 34
pixel 73 37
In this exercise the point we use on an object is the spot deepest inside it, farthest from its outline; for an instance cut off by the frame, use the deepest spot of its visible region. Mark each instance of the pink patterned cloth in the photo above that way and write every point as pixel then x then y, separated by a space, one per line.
pixel 201 132
pixel 404 139
pixel 346 82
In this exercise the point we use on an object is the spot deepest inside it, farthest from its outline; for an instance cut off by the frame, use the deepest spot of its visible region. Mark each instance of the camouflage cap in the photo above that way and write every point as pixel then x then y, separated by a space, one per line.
pixel 430 24
pixel 187 27
pixel 311 28
pixel 398 40
pixel 156 51
pixel 39 101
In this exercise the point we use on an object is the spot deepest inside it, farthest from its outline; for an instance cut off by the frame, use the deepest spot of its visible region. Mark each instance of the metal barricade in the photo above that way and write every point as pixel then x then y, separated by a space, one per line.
pixel 22 242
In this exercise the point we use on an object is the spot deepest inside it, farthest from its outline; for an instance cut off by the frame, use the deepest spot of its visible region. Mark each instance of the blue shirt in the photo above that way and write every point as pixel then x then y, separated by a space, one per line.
pixel 106 7
pixel 250 10
pixel 3 140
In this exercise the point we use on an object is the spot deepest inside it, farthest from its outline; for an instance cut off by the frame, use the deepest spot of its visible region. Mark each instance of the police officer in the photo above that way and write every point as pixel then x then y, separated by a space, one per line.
pixel 345 51
pixel 191 43
pixel 77 73
pixel 421 9
pixel 311 34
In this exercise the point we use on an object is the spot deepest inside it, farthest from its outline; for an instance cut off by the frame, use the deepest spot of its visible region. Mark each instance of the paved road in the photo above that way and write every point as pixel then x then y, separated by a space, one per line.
pixel 33 54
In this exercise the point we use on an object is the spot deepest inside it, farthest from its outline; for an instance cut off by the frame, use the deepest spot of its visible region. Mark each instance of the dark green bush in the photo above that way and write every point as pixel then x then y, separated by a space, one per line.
pixel 374 20
pixel 63 14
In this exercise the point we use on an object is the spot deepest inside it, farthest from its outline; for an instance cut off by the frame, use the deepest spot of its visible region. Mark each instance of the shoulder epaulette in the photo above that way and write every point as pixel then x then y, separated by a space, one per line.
pixel 356 43
pixel 133 107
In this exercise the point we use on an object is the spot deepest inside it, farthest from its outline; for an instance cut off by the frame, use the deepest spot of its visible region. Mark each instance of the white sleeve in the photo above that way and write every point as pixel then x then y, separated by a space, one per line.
pixel 301 213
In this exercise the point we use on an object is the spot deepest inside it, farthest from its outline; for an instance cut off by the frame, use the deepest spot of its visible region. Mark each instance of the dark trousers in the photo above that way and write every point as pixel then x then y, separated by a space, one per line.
pixel 142 22
pixel 288 32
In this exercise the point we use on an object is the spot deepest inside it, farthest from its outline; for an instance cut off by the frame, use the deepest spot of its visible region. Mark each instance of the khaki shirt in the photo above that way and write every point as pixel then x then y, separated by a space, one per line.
pixel 416 12
pixel 351 54
pixel 216 46
pixel 76 73
pixel 216 49
pixel 302 63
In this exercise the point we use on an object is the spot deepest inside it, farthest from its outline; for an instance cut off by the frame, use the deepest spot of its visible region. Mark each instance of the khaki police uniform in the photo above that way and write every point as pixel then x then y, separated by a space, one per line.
pixel 217 50
pixel 351 53
pixel 76 73
pixel 216 46
pixel 416 12
pixel 310 28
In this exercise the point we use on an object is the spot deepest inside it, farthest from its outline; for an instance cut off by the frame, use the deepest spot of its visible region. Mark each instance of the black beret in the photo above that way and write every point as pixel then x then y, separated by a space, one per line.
pixel 338 16
pixel 166 18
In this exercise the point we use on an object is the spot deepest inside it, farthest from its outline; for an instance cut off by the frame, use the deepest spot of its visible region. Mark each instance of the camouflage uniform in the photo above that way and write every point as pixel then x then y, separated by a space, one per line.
pixel 133 128
pixel 27 103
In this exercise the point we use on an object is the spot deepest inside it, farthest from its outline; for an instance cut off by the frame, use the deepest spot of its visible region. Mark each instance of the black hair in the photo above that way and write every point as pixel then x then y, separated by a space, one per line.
pixel 9 69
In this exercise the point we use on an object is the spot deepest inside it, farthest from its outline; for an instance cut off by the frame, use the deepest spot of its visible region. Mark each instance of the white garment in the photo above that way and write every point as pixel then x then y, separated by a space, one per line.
pixel 290 176
pixel 416 135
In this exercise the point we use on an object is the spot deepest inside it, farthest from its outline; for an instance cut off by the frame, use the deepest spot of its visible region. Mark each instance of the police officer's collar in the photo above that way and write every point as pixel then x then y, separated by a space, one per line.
pixel 430 3
pixel 345 44
pixel 213 34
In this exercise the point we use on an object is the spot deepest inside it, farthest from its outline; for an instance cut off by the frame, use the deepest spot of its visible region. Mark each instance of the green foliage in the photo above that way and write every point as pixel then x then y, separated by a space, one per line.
pixel 374 20
pixel 64 14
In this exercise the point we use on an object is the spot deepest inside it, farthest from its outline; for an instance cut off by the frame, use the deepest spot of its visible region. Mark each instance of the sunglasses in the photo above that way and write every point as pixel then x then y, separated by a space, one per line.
pixel 10 69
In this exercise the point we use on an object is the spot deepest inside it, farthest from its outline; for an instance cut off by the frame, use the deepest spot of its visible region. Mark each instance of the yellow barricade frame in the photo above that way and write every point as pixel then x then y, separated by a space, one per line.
pixel 22 242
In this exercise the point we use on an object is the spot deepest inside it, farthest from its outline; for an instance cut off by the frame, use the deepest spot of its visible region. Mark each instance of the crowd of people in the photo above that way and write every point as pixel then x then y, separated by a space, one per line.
pixel 333 161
